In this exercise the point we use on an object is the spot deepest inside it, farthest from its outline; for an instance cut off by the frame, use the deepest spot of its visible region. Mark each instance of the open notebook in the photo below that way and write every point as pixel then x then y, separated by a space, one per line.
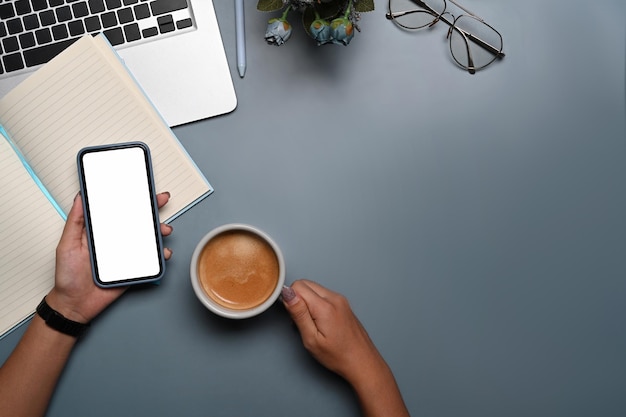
pixel 85 96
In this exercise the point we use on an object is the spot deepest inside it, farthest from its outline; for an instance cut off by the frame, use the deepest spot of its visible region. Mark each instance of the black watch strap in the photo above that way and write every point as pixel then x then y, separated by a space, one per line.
pixel 58 322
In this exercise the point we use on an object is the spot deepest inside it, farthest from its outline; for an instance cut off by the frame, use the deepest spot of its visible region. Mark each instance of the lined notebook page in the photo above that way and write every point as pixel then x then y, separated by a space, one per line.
pixel 30 229
pixel 84 97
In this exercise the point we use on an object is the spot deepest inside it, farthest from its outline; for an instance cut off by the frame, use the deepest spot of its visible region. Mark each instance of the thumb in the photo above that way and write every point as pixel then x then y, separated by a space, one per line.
pixel 299 311
pixel 73 230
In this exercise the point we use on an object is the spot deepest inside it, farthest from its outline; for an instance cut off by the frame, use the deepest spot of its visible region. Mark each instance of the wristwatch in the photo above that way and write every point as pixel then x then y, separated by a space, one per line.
pixel 58 322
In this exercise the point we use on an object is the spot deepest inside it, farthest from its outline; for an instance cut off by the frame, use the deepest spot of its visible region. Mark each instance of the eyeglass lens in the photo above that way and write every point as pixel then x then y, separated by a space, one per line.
pixel 416 14
pixel 467 41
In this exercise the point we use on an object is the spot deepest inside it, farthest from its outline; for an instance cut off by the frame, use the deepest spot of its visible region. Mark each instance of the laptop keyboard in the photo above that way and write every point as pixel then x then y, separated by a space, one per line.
pixel 32 32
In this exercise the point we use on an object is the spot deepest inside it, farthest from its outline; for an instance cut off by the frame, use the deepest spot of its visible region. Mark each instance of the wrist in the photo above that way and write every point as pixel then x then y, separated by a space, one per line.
pixel 378 391
pixel 369 374
pixel 59 322
pixel 64 306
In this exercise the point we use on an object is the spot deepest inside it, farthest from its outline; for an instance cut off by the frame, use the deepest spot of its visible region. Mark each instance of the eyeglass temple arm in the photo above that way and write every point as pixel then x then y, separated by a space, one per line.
pixel 482 43
pixel 466 10
pixel 471 37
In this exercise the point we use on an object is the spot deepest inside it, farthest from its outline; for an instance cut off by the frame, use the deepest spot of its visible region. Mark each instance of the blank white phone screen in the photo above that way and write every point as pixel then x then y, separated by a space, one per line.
pixel 120 212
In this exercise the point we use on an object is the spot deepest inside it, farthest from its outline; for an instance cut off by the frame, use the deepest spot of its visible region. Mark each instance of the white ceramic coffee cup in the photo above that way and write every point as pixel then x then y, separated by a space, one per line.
pixel 208 301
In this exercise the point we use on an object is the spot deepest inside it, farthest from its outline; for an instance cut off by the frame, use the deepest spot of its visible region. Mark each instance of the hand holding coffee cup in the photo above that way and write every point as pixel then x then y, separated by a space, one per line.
pixel 237 271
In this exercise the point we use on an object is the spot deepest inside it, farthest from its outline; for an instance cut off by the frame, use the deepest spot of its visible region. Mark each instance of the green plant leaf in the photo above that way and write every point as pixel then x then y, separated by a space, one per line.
pixel 363 6
pixel 269 5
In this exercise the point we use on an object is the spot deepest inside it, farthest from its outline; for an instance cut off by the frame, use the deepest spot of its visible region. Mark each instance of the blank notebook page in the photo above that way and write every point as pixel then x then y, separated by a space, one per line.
pixel 30 228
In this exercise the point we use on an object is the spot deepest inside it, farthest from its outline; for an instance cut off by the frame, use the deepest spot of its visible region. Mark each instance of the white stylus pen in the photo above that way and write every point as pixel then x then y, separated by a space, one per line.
pixel 241 38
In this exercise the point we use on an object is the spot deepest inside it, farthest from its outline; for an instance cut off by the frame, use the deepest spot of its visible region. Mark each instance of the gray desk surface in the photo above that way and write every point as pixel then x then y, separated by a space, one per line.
pixel 476 223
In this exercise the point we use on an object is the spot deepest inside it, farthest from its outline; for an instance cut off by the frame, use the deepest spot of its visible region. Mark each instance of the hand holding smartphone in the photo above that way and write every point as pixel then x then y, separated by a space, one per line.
pixel 121 214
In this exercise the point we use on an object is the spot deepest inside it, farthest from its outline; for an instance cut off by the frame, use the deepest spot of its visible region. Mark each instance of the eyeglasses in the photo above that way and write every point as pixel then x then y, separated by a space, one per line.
pixel 473 43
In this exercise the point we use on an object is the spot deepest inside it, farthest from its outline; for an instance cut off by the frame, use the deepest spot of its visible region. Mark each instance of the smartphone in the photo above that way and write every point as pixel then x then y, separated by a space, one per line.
pixel 121 214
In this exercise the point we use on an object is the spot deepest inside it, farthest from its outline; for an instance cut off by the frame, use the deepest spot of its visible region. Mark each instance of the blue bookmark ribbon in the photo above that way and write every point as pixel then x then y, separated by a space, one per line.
pixel 32 173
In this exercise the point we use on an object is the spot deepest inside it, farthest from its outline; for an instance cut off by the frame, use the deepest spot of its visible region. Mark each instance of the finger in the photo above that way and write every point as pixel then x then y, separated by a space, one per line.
pixel 163 198
pixel 298 310
pixel 75 224
pixel 166 229
pixel 319 305
pixel 167 252
pixel 319 289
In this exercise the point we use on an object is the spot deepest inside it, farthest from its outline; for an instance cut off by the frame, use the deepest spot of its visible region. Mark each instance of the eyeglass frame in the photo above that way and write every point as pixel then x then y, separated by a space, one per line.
pixel 466 35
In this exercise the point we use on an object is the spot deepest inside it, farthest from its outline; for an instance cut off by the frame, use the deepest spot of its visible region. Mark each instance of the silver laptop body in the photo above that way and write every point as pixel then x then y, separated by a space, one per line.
pixel 176 54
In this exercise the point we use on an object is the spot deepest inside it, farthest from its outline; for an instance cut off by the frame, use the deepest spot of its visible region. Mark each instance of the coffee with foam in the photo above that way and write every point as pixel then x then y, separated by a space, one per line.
pixel 238 269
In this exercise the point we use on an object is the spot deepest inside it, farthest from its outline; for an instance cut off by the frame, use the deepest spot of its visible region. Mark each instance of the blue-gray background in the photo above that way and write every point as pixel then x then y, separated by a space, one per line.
pixel 476 223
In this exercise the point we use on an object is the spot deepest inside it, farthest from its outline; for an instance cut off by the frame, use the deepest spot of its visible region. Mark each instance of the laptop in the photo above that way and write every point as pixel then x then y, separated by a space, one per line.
pixel 173 48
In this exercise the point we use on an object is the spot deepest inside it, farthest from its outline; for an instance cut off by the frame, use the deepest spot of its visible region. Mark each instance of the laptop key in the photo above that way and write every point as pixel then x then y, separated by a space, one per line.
pixel 185 23
pixel 92 24
pixel 132 32
pixel 109 19
pixel 96 6
pixel 13 62
pixel 64 14
pixel 43 36
pixel 59 32
pixel 150 32
pixel 43 54
pixel 39 5
pixel 31 22
pixel 10 44
pixel 47 18
pixel 160 7
pixel 115 36
pixel 125 15
pixel 22 7
pixel 142 11
pixel 27 40
pixel 6 11
pixel 80 9
pixel 76 28
pixel 14 26
pixel 113 4
pixel 166 23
